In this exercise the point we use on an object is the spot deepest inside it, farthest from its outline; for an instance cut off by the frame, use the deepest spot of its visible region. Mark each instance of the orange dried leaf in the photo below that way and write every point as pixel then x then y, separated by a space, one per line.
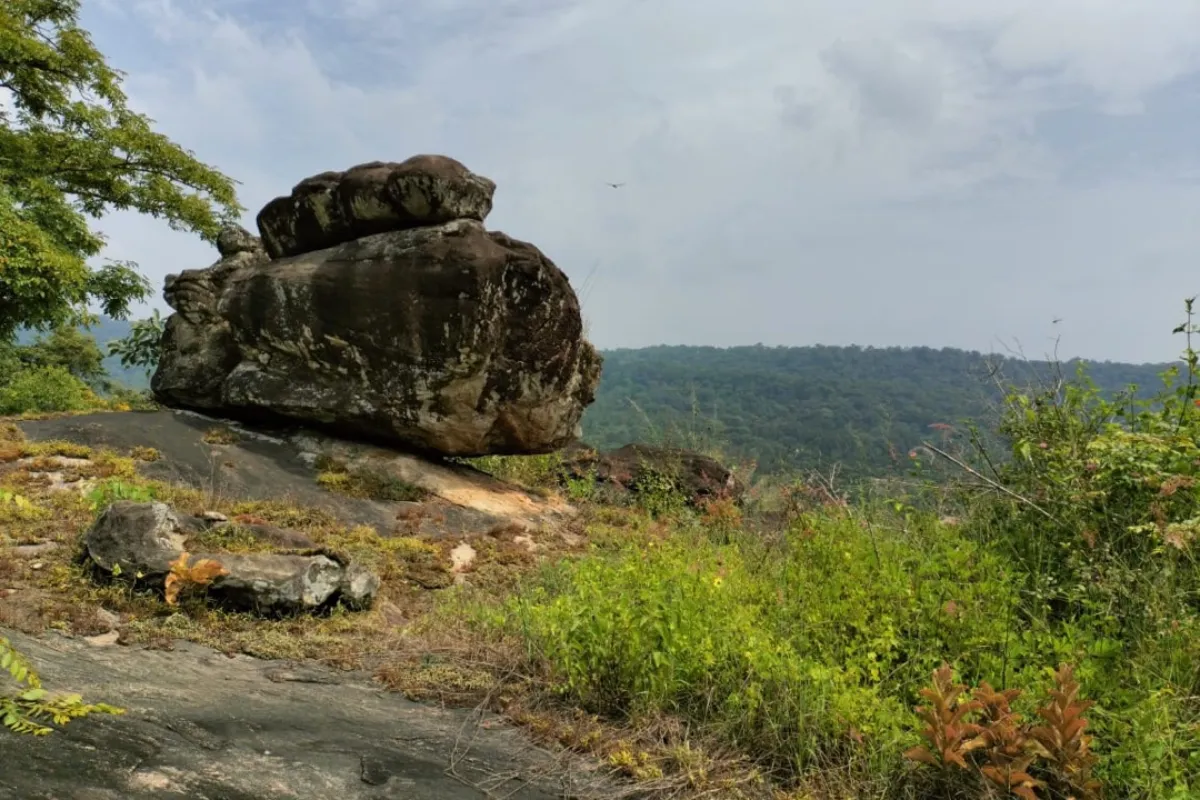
pixel 921 754
pixel 205 571
pixel 202 573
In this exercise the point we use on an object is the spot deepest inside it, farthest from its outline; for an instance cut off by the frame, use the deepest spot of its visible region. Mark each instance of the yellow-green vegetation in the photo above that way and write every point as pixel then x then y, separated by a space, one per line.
pixel 22 712
pixel 365 482
pixel 528 471
pixel 1066 579
pixel 220 434
pixel 147 454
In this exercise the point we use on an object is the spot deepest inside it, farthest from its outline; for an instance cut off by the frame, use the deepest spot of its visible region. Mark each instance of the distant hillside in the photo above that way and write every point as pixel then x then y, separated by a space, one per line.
pixel 105 331
pixel 800 407
pixel 789 407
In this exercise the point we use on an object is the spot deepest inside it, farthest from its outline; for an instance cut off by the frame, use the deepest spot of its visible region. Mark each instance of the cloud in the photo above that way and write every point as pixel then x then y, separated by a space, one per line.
pixel 916 172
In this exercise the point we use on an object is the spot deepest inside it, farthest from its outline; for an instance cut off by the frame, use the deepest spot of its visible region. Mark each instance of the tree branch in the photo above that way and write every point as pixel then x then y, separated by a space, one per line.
pixel 997 486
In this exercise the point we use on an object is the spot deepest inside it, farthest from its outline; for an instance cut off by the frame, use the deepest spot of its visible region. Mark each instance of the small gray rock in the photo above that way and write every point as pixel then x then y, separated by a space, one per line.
pixel 271 583
pixel 358 587
pixel 144 538
pixel 139 538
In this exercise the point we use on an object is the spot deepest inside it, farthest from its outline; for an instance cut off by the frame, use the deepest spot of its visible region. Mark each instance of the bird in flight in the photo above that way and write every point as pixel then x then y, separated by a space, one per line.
pixel 1056 321
pixel 616 185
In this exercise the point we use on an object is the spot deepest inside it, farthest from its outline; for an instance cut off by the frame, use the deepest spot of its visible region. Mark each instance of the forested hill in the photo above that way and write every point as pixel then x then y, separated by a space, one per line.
pixel 104 331
pixel 788 407
pixel 799 407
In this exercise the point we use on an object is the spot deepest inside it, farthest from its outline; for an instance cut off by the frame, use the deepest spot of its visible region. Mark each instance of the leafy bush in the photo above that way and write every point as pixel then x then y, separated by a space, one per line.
pixel 45 390
pixel 796 651
pixel 1099 517
pixel 70 348
pixel 807 649
pixel 656 491
pixel 113 490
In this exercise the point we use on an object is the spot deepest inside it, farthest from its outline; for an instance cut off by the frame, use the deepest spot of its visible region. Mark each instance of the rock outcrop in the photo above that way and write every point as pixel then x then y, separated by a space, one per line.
pixel 246 464
pixel 205 725
pixel 695 476
pixel 143 539
pixel 378 306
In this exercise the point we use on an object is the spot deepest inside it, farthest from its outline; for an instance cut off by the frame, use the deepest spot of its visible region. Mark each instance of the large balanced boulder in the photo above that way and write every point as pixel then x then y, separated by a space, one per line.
pixel 447 339
pixel 336 207
pixel 443 338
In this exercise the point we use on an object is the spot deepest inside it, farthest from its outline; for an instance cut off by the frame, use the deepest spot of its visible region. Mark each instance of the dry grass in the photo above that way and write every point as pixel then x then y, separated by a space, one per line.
pixel 56 589
pixel 221 434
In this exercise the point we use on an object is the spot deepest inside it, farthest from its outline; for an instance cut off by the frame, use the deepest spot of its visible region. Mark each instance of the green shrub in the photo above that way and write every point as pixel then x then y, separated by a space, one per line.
pixel 46 390
pixel 581 489
pixel 1100 520
pixel 1101 492
pixel 112 490
pixel 796 652
pixel 657 492
pixel 529 471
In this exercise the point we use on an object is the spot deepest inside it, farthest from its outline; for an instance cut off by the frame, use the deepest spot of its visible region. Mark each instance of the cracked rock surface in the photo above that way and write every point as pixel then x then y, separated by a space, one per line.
pixel 204 726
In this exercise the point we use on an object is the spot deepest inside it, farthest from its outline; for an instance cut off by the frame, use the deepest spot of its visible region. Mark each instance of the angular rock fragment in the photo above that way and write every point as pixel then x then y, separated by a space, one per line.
pixel 139 541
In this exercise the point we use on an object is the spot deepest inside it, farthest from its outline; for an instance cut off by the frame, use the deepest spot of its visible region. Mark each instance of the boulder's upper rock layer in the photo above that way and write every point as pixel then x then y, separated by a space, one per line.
pixel 335 207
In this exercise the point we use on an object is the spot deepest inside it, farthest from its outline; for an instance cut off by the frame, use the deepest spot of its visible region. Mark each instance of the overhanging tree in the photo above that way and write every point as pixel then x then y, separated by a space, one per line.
pixel 70 150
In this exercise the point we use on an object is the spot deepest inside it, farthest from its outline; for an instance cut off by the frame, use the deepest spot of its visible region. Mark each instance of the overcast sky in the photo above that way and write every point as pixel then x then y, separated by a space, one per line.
pixel 911 172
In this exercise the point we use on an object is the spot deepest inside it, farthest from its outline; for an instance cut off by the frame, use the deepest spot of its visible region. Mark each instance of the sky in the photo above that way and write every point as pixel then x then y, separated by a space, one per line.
pixel 912 172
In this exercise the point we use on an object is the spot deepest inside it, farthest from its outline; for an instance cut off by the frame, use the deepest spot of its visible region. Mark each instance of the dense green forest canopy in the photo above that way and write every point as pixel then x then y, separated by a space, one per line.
pixel 808 407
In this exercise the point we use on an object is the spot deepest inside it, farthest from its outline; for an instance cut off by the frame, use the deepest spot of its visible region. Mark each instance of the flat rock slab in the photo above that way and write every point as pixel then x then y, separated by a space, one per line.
pixel 278 465
pixel 204 726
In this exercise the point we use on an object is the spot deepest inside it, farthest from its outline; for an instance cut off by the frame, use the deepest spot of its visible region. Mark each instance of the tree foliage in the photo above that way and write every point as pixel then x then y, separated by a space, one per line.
pixel 71 349
pixel 70 150
pixel 140 348
pixel 800 408
pixel 24 711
